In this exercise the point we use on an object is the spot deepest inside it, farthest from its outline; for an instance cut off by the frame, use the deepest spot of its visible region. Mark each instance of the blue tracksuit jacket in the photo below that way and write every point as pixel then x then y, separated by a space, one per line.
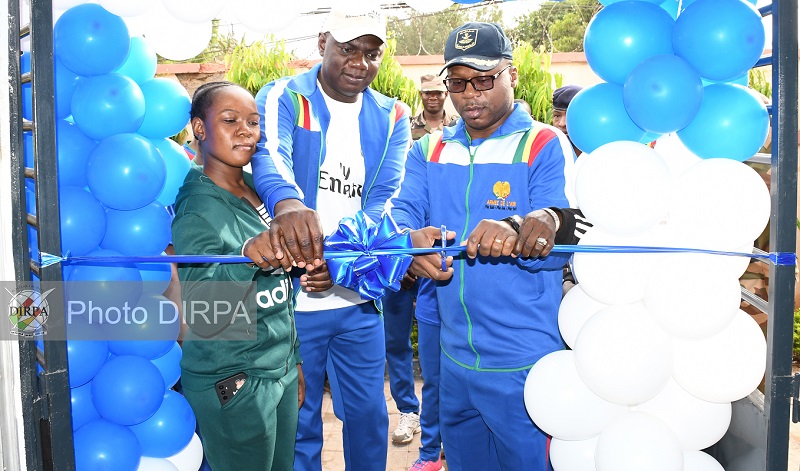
pixel 496 313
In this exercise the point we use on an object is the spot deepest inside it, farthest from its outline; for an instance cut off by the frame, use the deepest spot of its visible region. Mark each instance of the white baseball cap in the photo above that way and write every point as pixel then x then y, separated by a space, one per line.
pixel 345 25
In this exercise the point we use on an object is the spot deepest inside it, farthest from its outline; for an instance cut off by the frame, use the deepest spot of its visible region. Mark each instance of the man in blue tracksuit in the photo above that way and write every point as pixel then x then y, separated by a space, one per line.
pixel 331 146
pixel 491 180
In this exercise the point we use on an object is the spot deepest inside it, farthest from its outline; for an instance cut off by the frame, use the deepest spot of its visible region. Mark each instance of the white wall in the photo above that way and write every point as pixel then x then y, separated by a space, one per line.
pixel 12 456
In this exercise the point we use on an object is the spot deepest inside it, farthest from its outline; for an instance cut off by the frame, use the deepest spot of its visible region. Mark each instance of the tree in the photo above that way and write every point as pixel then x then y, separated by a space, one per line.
pixel 556 26
pixel 256 65
pixel 425 34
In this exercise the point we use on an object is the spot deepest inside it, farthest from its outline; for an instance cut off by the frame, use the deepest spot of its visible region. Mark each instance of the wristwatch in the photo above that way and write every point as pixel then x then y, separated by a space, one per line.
pixel 514 221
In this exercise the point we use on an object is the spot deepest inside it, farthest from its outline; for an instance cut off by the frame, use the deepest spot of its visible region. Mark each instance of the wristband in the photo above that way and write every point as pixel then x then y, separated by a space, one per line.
pixel 514 221
pixel 554 216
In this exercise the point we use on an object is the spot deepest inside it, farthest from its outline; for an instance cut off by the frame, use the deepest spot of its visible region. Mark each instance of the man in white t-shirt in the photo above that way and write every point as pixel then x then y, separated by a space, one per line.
pixel 331 146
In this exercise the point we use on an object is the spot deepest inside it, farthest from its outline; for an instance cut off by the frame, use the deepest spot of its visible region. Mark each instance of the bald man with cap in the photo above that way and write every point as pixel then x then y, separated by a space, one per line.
pixel 331 146
pixel 561 99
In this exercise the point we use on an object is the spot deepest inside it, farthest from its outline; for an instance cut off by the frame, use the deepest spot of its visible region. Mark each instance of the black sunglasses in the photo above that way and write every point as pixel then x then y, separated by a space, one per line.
pixel 480 83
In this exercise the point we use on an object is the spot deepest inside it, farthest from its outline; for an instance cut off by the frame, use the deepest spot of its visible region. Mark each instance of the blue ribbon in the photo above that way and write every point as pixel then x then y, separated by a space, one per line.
pixel 371 258
pixel 368 257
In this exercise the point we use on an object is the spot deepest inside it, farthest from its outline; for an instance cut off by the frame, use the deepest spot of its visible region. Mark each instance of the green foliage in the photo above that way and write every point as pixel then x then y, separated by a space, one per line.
pixel 558 26
pixel 757 80
pixel 535 83
pixel 796 342
pixel 415 338
pixel 391 82
pixel 425 34
pixel 256 65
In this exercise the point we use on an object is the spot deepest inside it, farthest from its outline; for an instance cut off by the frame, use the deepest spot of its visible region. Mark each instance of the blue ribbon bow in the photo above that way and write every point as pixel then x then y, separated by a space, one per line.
pixel 362 267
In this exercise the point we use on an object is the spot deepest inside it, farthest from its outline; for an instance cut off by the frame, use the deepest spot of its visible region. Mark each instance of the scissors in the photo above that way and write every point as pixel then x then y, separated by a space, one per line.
pixel 444 252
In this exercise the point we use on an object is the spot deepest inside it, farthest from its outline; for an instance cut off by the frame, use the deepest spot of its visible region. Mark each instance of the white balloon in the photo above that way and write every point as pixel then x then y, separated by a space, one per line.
pixel 194 11
pixel 689 300
pixel 127 7
pixel 190 458
pixel 637 441
pixel 573 455
pixel 700 461
pixel 615 278
pixel 137 25
pixel 622 355
pixel 561 404
pixel 623 187
pixel 698 424
pixel 67 4
pixel 174 39
pixel 675 154
pixel 576 308
pixel 719 204
pixel 429 6
pixel 263 17
pixel 724 367
pixel 147 463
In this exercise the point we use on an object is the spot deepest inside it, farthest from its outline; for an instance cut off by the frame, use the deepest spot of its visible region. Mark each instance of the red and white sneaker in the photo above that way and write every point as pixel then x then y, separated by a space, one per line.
pixel 422 465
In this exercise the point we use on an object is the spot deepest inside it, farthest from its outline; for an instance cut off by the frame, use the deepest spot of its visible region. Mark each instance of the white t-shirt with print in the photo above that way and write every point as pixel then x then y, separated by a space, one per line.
pixel 341 181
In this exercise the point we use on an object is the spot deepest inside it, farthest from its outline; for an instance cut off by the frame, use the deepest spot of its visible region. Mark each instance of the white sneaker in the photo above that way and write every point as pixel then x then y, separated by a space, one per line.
pixel 408 426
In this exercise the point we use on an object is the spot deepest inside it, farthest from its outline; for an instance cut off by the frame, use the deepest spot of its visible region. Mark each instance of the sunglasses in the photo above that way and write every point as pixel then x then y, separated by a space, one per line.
pixel 480 83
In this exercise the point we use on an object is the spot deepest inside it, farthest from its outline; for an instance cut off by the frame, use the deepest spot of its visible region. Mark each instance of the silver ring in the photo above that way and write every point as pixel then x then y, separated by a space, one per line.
pixel 541 241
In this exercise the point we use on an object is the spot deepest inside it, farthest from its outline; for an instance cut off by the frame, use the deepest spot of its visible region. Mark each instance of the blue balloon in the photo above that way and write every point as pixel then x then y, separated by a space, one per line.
pixel 732 124
pixel 597 116
pixel 33 243
pixel 91 41
pixel 106 285
pixel 169 430
pixel 103 445
pixel 743 80
pixel 169 365
pixel 30 196
pixel 141 63
pixel 126 171
pixel 66 82
pixel 178 165
pixel 671 7
pixel 167 106
pixel 143 231
pixel 685 3
pixel 27 148
pixel 83 221
pixel 624 34
pixel 72 148
pixel 650 137
pixel 662 94
pixel 85 358
pixel 155 276
pixel 108 104
pixel 721 39
pixel 127 390
pixel 27 89
pixel 83 410
pixel 154 329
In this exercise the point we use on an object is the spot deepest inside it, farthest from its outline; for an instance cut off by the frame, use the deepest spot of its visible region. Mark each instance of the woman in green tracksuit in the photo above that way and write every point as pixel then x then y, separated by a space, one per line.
pixel 244 382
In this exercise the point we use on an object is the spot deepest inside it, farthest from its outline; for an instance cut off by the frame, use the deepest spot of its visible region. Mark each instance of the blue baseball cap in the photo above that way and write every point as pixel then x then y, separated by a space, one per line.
pixel 479 46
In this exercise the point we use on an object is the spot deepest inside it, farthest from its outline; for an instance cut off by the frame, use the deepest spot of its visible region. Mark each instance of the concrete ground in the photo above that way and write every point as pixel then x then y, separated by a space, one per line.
pixel 400 457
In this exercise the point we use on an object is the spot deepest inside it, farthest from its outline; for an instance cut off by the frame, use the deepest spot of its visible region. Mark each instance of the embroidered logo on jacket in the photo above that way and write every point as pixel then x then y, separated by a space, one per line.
pixel 501 191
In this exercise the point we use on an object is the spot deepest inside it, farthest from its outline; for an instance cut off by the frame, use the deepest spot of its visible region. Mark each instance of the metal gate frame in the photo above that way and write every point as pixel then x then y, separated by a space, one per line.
pixel 46 407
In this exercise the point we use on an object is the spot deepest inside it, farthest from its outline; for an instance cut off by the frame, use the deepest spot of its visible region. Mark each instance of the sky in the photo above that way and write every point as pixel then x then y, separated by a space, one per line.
pixel 300 35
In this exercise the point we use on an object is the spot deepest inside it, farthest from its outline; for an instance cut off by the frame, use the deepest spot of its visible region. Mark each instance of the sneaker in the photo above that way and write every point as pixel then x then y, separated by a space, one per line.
pixel 422 465
pixel 408 426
